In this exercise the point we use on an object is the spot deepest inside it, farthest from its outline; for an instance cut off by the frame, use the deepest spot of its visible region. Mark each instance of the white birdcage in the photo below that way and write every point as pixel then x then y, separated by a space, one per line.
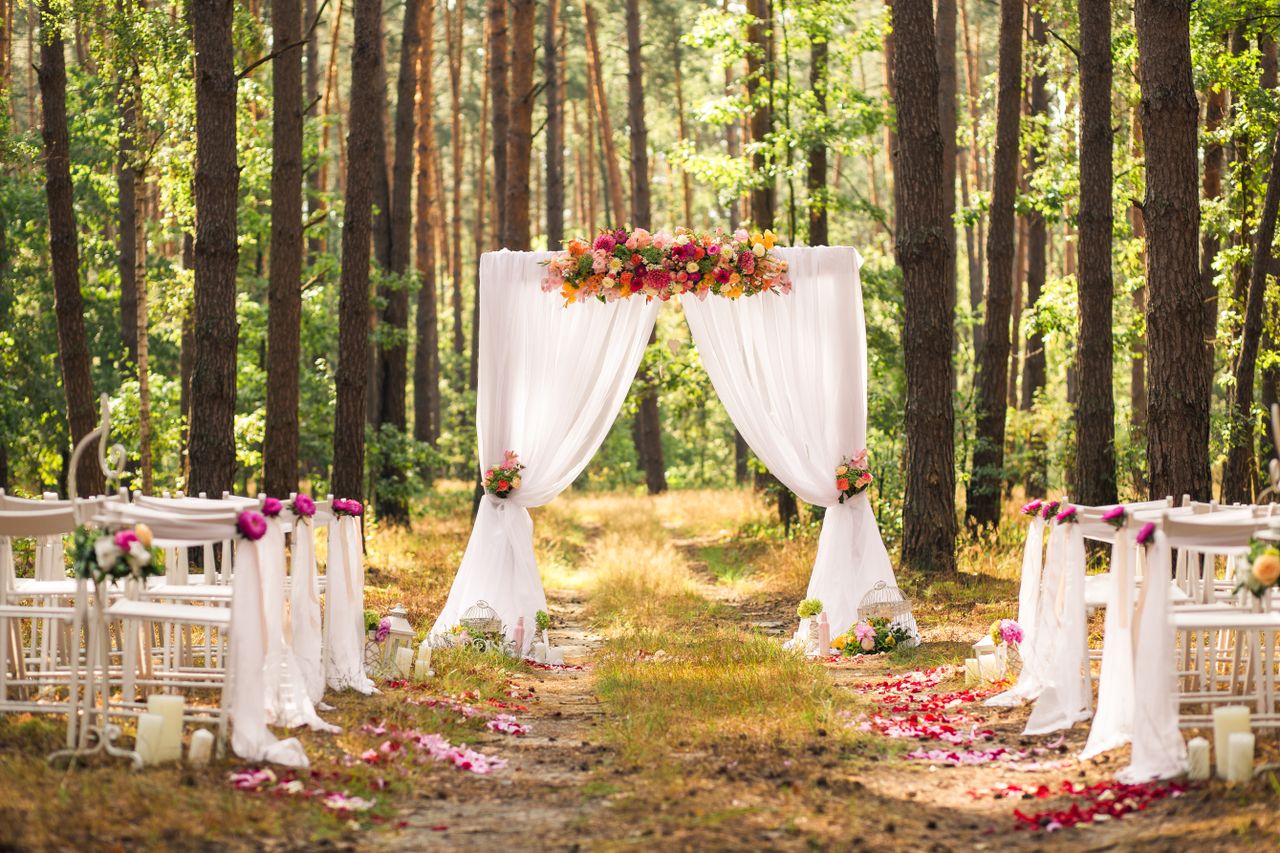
pixel 480 618
pixel 883 600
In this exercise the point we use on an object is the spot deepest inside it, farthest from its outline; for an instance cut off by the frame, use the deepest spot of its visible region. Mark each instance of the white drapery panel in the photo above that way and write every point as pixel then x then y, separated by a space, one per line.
pixel 792 373
pixel 1062 643
pixel 304 608
pixel 1113 723
pixel 250 737
pixel 1035 567
pixel 552 380
pixel 344 646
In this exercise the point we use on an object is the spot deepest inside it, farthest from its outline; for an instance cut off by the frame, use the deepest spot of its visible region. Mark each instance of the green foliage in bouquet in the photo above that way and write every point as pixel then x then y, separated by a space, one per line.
pixel 809 607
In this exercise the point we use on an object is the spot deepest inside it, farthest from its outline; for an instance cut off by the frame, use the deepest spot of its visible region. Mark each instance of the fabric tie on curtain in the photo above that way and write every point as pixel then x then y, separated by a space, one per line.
pixel 284 690
pixel 552 380
pixel 1158 749
pixel 344 657
pixel 1113 723
pixel 791 371
pixel 250 737
pixel 304 608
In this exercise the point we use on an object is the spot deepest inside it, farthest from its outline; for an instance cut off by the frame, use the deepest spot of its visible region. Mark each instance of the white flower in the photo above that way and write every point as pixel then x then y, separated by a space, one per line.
pixel 107 552
pixel 692 266
pixel 758 250
pixel 138 556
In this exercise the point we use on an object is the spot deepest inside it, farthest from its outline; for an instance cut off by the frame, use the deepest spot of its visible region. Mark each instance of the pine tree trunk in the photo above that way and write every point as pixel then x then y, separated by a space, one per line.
pixel 555 128
pixel 682 133
pixel 595 76
pixel 985 487
pixel 1215 111
pixel 481 241
pixel 920 246
pixel 760 76
pixel 1095 464
pixel 520 129
pixel 284 316
pixel 946 50
pixel 315 244
pixel 381 226
pixel 426 361
pixel 1033 362
pixel 353 306
pixel 816 182
pixel 1178 401
pixel 186 358
pixel 1240 472
pixel 1138 357
pixel 125 188
pixel 498 55
pixel 217 180
pixel 64 247
pixel 455 37
pixel 140 333
pixel 977 249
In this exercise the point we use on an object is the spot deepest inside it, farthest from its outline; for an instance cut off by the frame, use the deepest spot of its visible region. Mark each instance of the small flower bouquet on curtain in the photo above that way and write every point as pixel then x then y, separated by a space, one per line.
pixel 104 557
pixel 853 477
pixel 504 478
pixel 1259 569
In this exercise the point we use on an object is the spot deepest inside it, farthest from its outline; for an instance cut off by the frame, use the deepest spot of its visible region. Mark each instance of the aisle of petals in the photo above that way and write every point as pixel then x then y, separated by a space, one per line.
pixel 908 709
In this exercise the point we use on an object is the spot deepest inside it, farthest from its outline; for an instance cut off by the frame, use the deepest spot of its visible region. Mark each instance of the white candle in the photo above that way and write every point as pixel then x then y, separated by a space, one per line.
pixel 201 749
pixel 150 736
pixel 404 661
pixel 539 652
pixel 970 672
pixel 989 668
pixel 1227 720
pixel 1198 759
pixel 170 708
pixel 1240 757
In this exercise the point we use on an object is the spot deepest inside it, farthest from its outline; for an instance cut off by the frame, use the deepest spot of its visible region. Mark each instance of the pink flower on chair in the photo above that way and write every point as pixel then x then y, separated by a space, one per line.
pixel 303 506
pixel 124 539
pixel 271 507
pixel 252 525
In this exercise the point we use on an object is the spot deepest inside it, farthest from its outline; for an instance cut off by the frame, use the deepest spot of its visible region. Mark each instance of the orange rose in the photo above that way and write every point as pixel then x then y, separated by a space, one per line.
pixel 842 484
pixel 1267 569
pixel 577 247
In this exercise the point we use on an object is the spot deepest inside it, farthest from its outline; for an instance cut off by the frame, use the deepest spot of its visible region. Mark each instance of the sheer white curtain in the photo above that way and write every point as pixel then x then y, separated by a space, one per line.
pixel 1062 640
pixel 792 373
pixel 1113 723
pixel 344 593
pixel 1036 645
pixel 552 380
pixel 304 606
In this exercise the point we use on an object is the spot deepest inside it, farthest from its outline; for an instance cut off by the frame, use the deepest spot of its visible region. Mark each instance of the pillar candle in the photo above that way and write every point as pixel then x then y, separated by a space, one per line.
pixel 1227 720
pixel 1197 759
pixel 970 672
pixel 404 661
pixel 1240 757
pixel 824 635
pixel 201 749
pixel 170 708
pixel 539 652
pixel 150 736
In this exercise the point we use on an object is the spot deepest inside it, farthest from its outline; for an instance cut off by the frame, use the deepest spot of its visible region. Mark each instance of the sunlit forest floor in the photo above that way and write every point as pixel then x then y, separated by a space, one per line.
pixel 684 724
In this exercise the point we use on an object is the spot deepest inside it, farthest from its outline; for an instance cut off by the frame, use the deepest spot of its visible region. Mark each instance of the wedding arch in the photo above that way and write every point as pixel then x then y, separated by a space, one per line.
pixel 790 368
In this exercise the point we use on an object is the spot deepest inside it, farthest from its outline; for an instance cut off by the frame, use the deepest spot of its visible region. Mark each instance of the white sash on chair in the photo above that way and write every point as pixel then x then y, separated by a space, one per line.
pixel 304 609
pixel 1062 638
pixel 1113 723
pixel 344 657
pixel 1030 682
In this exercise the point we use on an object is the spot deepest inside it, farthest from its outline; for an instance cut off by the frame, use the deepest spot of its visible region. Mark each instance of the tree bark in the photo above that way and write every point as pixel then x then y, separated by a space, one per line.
pixel 920 247
pixel 555 128
pixel 217 180
pixel 977 253
pixel 760 76
pixel 946 50
pixel 520 129
pixel 126 190
pixel 985 486
pixel 353 305
pixel 284 315
pixel 1095 464
pixel 595 83
pixel 64 246
pixel 143 343
pixel 1240 473
pixel 1178 401
pixel 1033 363
pixel 1215 110
pixel 481 242
pixel 455 37
pixel 498 57
pixel 186 358
pixel 816 182
pixel 426 361
pixel 682 133
pixel 315 244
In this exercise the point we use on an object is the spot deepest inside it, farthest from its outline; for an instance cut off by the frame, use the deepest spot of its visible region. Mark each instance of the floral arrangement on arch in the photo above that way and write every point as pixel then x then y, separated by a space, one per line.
pixel 875 636
pixel 1259 569
pixel 620 264
pixel 853 477
pixel 504 478
pixel 1006 631
pixel 103 557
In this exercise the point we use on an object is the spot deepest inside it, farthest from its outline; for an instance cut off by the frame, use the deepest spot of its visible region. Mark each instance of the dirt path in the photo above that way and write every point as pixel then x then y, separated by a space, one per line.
pixel 538 799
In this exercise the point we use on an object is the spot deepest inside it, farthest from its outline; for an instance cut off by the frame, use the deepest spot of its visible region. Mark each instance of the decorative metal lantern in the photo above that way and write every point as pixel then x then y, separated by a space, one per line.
pixel 885 601
pixel 991 658
pixel 401 636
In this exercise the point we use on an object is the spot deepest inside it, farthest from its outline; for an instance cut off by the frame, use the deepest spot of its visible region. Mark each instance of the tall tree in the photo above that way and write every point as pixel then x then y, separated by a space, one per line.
pixel 284 314
pixel 1033 363
pixel 393 365
pixel 946 40
pixel 520 130
pixel 353 303
pixel 1215 111
pixel 1240 472
pixel 498 59
pixel 986 485
pixel 426 358
pixel 816 180
pixel 920 247
pixel 314 184
pixel 647 427
pixel 760 95
pixel 1178 388
pixel 454 21
pixel 126 173
pixel 1095 467
pixel 598 98
pixel 64 244
pixel 555 128
pixel 213 379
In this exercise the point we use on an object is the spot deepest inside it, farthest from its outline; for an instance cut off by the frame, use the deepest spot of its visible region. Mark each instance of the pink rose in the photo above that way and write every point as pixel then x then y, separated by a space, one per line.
pixel 125 538
pixel 304 506
pixel 271 507
pixel 252 525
